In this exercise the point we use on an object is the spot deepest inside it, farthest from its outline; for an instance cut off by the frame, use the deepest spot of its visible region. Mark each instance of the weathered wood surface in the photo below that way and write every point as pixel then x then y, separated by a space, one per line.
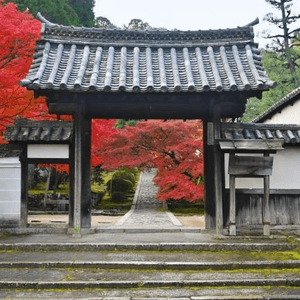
pixel 24 188
pixel 284 208
pixel 251 145
pixel 218 170
pixel 210 208
pixel 250 166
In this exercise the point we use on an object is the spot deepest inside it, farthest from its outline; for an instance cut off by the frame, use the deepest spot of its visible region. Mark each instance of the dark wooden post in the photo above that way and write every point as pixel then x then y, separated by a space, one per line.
pixel 82 162
pixel 266 206
pixel 24 188
pixel 232 225
pixel 71 187
pixel 218 170
pixel 86 200
pixel 208 137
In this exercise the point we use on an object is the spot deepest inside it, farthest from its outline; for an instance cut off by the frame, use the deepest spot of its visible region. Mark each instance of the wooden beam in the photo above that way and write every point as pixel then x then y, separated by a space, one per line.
pixel 24 188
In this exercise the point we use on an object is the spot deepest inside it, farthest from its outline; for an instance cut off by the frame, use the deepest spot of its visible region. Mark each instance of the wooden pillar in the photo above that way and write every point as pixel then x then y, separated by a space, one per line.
pixel 266 206
pixel 71 187
pixel 86 200
pixel 266 203
pixel 82 184
pixel 218 185
pixel 24 188
pixel 210 212
pixel 232 224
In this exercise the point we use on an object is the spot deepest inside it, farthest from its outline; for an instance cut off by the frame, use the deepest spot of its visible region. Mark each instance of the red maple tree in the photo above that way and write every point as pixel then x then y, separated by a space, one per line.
pixel 102 129
pixel 175 148
pixel 18 35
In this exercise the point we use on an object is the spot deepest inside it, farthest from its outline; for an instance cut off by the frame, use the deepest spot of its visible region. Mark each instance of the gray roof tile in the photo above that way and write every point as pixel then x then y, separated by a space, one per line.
pixel 93 59
pixel 43 131
pixel 290 134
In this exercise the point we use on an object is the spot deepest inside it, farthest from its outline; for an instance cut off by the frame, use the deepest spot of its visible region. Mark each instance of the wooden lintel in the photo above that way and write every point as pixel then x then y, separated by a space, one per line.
pixel 63 108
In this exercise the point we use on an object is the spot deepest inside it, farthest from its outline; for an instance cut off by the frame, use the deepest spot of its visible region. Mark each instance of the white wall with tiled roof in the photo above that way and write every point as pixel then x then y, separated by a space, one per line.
pixel 285 173
pixel 288 115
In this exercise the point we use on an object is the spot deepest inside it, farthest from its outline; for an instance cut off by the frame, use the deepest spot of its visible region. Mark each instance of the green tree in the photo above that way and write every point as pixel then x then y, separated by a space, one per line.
pixel 56 11
pixel 84 10
pixel 276 68
pixel 284 41
pixel 281 61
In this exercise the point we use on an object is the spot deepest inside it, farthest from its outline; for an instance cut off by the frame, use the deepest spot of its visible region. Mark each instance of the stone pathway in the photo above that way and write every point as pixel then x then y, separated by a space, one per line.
pixel 146 211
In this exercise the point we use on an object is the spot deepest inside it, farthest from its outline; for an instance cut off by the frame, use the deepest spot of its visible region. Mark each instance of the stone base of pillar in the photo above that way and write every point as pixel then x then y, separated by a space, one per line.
pixel 232 229
pixel 266 229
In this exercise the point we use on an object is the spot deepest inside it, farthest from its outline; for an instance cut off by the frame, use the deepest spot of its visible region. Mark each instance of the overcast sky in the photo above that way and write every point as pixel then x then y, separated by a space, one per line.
pixel 189 14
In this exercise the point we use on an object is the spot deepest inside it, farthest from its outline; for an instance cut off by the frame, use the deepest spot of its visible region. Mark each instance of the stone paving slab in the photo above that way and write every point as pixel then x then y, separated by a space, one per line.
pixel 146 210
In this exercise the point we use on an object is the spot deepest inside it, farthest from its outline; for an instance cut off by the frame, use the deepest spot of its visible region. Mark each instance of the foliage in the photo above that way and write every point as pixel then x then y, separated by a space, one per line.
pixel 280 61
pixel 119 184
pixel 275 66
pixel 183 208
pixel 102 22
pixel 138 24
pixel 84 10
pixel 101 130
pixel 284 42
pixel 175 148
pixel 56 11
pixel 18 34
pixel 65 12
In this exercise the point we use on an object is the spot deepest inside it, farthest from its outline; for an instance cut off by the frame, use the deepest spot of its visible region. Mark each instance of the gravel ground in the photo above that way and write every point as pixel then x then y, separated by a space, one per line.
pixel 186 221
pixel 147 211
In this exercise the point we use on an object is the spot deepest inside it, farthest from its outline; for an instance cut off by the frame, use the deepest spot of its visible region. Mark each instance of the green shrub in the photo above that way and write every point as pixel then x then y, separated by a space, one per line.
pixel 118 197
pixel 119 185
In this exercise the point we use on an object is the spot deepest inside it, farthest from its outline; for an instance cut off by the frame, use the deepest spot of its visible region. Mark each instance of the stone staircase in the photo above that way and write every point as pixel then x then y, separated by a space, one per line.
pixel 244 268
pixel 148 256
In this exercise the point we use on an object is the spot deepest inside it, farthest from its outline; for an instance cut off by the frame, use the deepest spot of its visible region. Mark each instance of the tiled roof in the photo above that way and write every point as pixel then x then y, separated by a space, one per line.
pixel 290 134
pixel 278 106
pixel 115 60
pixel 44 131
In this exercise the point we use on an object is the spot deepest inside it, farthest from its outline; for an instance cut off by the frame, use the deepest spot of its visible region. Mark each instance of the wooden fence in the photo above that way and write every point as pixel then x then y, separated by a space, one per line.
pixel 284 207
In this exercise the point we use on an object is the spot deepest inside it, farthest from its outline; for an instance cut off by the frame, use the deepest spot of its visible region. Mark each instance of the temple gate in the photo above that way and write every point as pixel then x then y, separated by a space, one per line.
pixel 151 74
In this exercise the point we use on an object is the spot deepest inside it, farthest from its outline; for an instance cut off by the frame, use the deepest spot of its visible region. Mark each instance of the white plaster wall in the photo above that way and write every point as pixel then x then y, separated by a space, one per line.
pixel 48 151
pixel 286 172
pixel 10 191
pixel 289 115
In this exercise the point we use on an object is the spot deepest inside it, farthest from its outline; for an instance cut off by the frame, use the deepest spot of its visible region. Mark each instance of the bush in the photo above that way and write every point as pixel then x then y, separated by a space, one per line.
pixel 118 197
pixel 119 185
pixel 127 174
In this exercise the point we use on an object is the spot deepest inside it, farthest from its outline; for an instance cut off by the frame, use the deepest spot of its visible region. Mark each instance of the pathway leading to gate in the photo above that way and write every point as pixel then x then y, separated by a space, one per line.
pixel 146 211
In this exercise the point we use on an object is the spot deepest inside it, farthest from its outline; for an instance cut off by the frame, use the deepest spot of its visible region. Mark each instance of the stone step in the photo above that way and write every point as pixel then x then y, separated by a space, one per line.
pixel 155 265
pixel 131 284
pixel 174 293
pixel 142 279
pixel 192 258
pixel 217 246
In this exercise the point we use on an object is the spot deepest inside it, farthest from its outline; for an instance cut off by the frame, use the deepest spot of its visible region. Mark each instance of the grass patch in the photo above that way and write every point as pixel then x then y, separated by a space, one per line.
pixel 184 208
pixel 39 189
